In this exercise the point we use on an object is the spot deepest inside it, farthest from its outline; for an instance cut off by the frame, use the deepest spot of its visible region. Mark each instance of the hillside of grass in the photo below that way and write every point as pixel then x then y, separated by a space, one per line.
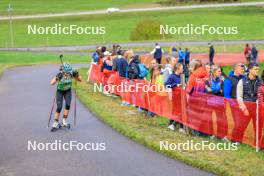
pixel 248 20
pixel 26 7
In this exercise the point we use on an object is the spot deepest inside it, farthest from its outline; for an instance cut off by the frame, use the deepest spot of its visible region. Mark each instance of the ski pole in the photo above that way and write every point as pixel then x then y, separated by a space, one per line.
pixel 75 111
pixel 61 56
pixel 53 104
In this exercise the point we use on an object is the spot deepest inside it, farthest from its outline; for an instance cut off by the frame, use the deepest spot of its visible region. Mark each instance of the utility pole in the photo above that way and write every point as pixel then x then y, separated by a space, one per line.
pixel 9 10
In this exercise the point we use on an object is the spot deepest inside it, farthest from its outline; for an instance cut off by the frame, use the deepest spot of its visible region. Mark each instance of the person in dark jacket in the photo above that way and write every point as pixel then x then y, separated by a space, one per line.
pixel 261 108
pixel 157 53
pixel 187 57
pixel 211 53
pixel 133 68
pixel 247 91
pixel 173 82
pixel 254 52
pixel 121 64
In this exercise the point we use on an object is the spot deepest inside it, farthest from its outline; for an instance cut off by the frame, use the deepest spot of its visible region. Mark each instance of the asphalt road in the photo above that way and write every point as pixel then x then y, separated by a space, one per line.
pixel 25 102
pixel 95 12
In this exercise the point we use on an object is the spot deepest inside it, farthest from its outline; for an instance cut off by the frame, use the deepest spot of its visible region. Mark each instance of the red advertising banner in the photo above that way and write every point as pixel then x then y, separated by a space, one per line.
pixel 209 114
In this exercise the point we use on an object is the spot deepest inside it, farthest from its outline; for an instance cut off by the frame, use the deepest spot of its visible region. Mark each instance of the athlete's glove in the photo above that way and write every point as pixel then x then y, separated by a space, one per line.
pixel 59 76
pixel 75 73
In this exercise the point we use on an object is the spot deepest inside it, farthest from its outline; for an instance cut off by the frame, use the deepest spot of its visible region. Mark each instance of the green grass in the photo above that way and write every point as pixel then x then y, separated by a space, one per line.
pixel 57 6
pixel 12 59
pixel 150 131
pixel 119 26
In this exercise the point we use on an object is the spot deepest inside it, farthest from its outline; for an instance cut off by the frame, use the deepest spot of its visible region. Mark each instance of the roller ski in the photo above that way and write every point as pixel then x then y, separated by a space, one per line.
pixel 56 126
pixel 65 124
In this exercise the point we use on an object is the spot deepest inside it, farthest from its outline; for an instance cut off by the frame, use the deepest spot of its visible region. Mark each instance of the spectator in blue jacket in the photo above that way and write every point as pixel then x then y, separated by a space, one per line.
pixel 214 86
pixel 181 56
pixel 174 81
pixel 230 83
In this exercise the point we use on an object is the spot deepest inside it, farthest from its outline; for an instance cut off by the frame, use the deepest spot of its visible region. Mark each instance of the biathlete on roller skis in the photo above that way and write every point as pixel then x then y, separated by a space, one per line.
pixel 64 81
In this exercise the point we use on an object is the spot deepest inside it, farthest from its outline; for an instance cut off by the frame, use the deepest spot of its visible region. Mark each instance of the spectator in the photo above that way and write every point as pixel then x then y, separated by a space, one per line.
pixel 261 106
pixel 95 60
pixel 211 54
pixel 214 86
pixel 168 70
pixel 187 57
pixel 230 83
pixel 173 82
pixel 254 53
pixel 121 64
pixel 107 70
pixel 157 52
pixel 247 53
pixel 133 68
pixel 95 55
pixel 208 69
pixel 197 78
pixel 154 71
pixel 181 56
pixel 196 86
pixel 129 54
pixel 174 51
pixel 247 89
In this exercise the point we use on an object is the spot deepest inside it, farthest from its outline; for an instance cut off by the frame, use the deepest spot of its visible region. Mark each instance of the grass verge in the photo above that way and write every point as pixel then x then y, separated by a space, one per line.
pixel 150 131
pixel 12 59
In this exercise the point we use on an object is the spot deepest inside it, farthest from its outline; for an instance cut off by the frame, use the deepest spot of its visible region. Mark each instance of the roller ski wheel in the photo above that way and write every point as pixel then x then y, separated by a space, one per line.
pixel 68 126
pixel 53 129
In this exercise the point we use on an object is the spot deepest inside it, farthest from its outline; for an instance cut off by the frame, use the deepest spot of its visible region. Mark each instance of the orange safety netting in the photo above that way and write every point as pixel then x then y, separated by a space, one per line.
pixel 205 113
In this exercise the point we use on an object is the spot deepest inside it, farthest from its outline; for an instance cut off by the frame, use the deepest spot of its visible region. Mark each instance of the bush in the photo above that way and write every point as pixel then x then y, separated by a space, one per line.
pixel 147 30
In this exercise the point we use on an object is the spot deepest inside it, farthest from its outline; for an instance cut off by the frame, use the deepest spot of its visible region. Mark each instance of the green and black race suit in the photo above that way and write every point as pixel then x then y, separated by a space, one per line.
pixel 65 80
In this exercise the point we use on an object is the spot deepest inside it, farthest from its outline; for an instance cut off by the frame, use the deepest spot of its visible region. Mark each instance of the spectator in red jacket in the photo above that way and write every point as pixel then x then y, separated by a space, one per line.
pixel 247 53
pixel 195 90
pixel 198 75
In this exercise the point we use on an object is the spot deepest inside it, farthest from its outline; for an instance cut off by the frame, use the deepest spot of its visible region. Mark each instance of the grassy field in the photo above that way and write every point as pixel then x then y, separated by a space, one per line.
pixel 119 26
pixel 150 131
pixel 12 59
pixel 56 6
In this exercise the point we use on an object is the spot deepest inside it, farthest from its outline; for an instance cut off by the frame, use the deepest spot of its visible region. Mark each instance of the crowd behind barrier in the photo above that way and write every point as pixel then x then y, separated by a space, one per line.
pixel 203 112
